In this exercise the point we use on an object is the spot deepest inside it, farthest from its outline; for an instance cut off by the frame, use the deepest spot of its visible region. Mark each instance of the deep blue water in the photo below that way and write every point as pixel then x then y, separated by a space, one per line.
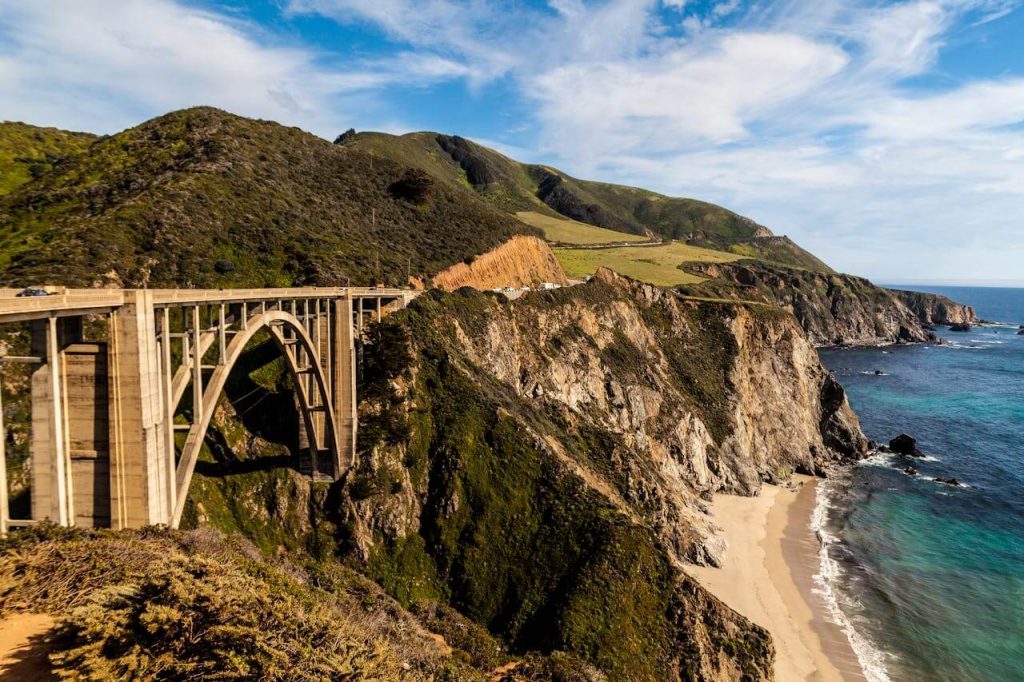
pixel 930 575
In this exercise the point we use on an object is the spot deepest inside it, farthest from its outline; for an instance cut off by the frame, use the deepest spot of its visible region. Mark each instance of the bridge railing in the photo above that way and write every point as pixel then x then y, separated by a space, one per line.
pixel 14 308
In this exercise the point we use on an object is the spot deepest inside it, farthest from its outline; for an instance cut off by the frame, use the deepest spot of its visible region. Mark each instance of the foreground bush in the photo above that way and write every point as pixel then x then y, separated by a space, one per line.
pixel 169 606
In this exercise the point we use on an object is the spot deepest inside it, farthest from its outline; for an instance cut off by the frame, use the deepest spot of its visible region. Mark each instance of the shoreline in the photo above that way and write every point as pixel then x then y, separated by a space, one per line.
pixel 768 576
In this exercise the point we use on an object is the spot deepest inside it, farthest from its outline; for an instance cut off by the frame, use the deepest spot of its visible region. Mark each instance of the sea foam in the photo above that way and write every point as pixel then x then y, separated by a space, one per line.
pixel 871 659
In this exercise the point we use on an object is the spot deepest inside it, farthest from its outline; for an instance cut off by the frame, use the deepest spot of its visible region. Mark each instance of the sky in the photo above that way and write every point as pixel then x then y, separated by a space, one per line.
pixel 885 137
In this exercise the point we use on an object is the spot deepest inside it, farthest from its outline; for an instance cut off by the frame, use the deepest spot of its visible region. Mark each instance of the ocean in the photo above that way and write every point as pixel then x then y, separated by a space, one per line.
pixel 928 579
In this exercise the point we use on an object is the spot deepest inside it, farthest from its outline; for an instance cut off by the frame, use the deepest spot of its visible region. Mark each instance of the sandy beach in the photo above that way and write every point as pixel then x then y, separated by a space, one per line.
pixel 768 577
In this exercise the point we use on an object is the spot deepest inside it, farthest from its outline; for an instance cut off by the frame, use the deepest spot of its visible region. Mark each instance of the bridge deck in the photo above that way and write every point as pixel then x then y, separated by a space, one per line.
pixel 69 302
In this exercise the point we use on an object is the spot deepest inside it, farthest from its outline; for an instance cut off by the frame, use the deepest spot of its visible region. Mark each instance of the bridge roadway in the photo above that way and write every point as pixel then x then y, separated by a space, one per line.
pixel 106 412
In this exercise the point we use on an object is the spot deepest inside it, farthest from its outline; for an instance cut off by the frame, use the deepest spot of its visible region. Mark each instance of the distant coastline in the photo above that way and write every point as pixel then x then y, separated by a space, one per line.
pixel 919 284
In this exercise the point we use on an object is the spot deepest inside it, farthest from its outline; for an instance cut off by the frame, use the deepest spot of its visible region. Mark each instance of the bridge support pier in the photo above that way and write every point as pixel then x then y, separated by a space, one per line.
pixel 343 383
pixel 141 469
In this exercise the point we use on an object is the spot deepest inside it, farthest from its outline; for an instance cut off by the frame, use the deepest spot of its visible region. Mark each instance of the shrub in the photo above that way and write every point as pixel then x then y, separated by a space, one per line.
pixel 222 267
pixel 414 186
pixel 161 605
pixel 198 617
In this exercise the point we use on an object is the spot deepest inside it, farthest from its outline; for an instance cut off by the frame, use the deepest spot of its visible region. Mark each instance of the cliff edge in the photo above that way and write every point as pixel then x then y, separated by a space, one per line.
pixel 543 465
pixel 833 309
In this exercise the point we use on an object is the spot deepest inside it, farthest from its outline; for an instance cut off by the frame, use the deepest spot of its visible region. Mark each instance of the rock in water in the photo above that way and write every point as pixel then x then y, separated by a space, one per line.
pixel 910 471
pixel 947 481
pixel 960 327
pixel 1020 330
pixel 904 444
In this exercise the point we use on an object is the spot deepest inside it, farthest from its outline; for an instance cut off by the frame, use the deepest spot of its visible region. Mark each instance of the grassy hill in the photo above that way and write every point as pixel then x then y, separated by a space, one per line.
pixel 205 198
pixel 501 181
pixel 28 151
pixel 543 192
pixel 567 231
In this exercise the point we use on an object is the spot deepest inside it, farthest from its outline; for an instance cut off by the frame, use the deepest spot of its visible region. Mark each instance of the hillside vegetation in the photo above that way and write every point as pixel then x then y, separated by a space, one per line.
pixel 201 197
pixel 542 192
pixel 154 604
pixel 503 182
pixel 28 151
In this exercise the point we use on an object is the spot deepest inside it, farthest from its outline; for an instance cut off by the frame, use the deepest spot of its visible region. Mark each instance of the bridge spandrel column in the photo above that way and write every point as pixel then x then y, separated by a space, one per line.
pixel 51 494
pixel 343 383
pixel 139 461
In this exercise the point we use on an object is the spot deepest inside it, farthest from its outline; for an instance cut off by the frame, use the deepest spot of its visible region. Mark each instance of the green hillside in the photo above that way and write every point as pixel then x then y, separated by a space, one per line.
pixel 28 151
pixel 204 198
pixel 502 181
pixel 523 188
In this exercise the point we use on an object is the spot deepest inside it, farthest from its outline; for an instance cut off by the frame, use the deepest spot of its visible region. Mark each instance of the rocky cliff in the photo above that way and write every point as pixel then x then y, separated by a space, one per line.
pixel 521 261
pixel 833 309
pixel 543 465
pixel 933 309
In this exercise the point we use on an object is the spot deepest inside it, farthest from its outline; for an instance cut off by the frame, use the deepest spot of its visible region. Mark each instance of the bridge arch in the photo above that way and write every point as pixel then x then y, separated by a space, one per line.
pixel 280 324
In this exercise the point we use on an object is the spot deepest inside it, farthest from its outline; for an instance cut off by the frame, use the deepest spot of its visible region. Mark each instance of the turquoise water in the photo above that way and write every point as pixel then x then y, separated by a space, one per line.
pixel 930 578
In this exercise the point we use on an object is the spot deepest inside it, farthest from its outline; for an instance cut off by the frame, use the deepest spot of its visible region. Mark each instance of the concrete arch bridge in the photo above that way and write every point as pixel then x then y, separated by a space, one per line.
pixel 103 413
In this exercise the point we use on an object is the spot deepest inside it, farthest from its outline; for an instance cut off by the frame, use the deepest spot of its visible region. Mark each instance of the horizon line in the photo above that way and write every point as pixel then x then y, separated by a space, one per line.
pixel 954 282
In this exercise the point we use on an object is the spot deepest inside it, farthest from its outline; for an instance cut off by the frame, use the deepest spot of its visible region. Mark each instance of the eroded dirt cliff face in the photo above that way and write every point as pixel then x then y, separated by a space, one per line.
pixel 521 261
pixel 834 309
pixel 543 464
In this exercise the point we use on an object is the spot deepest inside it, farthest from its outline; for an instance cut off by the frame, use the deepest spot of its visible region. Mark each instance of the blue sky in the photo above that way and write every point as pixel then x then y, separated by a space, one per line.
pixel 886 137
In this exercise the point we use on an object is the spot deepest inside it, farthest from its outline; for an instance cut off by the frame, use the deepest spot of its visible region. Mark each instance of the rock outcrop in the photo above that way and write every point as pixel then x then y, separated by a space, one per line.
pixel 521 261
pixel 904 444
pixel 544 464
pixel 932 309
pixel 833 309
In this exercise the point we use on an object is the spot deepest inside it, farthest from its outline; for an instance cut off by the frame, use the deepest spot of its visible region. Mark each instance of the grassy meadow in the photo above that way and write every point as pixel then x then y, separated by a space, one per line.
pixel 566 231
pixel 657 265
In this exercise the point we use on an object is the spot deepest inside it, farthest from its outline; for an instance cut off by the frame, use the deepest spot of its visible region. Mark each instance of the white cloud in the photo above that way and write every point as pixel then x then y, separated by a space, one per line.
pixel 688 94
pixel 904 39
pixel 954 114
pixel 472 33
pixel 84 65
pixel 725 8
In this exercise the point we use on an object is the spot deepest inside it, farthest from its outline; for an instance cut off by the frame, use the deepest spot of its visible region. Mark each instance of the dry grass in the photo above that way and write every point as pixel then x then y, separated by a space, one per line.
pixel 169 605
pixel 657 265
pixel 565 231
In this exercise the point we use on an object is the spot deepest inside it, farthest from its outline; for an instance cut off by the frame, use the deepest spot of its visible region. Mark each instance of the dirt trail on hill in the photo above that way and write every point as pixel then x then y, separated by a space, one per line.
pixel 25 647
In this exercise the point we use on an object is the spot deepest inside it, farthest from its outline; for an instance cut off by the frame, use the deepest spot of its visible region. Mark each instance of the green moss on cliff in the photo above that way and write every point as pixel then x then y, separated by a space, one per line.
pixel 496 504
pixel 508 534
